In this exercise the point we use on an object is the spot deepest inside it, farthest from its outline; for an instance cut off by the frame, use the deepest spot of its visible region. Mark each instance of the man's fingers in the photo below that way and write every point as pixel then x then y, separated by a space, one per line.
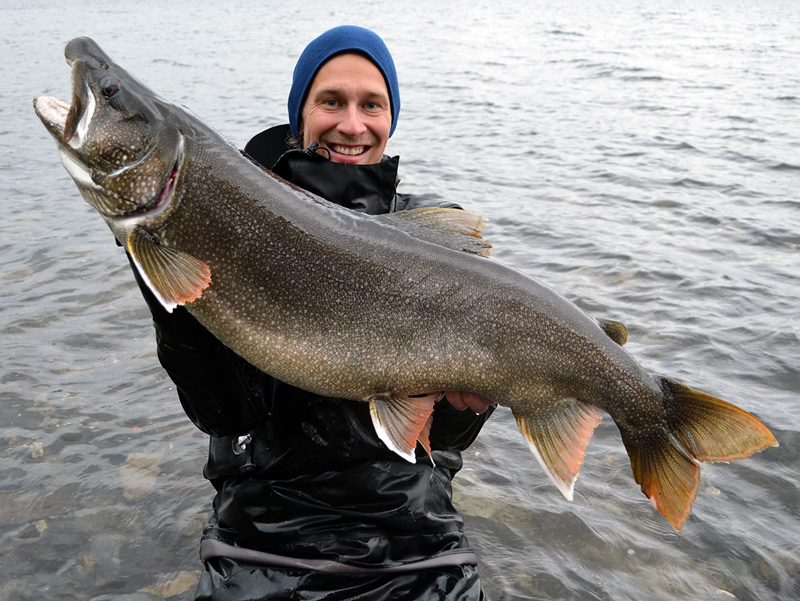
pixel 455 399
pixel 472 400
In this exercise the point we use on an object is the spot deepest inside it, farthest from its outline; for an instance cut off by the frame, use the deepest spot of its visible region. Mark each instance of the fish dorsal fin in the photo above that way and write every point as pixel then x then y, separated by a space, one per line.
pixel 175 277
pixel 400 421
pixel 615 330
pixel 451 228
pixel 557 433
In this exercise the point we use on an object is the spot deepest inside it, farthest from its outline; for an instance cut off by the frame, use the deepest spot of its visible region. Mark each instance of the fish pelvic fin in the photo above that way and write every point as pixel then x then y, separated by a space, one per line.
pixel 668 475
pixel 711 429
pixel 451 228
pixel 402 420
pixel 175 277
pixel 557 433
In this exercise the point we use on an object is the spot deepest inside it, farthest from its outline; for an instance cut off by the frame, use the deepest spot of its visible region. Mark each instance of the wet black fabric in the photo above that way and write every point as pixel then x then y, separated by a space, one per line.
pixel 226 580
pixel 304 476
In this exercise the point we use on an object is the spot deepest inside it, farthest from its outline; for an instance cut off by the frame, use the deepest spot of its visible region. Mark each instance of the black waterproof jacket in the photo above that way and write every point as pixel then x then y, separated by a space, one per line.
pixel 308 498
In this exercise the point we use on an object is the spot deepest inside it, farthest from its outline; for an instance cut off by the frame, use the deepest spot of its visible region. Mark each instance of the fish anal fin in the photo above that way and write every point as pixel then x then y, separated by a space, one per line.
pixel 557 433
pixel 615 330
pixel 711 429
pixel 402 420
pixel 175 277
pixel 669 477
pixel 451 228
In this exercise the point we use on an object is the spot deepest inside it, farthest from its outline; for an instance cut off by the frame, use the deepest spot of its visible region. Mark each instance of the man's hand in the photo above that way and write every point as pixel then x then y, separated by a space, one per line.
pixel 462 400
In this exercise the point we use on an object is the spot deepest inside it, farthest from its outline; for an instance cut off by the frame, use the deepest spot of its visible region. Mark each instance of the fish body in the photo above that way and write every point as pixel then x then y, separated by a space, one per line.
pixel 382 309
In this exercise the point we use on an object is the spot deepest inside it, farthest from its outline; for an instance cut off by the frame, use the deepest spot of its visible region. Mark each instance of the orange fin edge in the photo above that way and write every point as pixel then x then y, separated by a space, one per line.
pixel 712 429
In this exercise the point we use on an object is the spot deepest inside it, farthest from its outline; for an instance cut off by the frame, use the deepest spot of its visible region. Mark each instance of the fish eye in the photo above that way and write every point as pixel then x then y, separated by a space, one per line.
pixel 109 88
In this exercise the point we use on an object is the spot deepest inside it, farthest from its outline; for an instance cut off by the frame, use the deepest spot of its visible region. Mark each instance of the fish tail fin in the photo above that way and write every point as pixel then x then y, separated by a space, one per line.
pixel 700 427
pixel 557 433
pixel 668 475
pixel 711 429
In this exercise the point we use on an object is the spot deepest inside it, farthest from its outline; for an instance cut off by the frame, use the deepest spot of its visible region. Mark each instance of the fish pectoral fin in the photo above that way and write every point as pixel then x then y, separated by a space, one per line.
pixel 451 228
pixel 557 433
pixel 400 421
pixel 615 330
pixel 175 277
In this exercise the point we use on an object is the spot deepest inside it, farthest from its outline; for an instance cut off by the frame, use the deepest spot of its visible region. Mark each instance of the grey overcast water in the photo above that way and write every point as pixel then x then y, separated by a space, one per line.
pixel 642 158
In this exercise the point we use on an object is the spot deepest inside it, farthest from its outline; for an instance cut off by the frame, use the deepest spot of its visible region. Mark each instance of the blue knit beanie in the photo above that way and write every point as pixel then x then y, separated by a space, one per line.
pixel 335 41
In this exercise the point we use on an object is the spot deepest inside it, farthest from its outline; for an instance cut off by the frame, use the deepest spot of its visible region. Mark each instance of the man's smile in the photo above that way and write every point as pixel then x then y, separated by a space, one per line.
pixel 349 150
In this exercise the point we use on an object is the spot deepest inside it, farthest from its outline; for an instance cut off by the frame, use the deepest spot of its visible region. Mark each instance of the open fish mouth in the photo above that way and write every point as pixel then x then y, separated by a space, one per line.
pixel 68 123
pixel 53 113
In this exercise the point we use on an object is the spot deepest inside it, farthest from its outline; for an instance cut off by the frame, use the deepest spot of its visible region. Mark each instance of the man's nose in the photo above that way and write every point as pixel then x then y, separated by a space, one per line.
pixel 352 123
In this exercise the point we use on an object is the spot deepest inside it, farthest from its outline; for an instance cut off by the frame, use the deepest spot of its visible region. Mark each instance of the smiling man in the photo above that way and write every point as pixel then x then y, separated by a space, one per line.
pixel 309 502
pixel 343 108
pixel 348 110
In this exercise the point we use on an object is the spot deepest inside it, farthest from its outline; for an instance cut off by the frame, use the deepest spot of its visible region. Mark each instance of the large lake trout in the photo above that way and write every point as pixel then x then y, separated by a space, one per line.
pixel 381 309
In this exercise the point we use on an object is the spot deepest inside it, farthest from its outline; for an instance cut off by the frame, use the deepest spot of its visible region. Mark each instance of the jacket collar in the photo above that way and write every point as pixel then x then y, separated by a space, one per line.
pixel 365 188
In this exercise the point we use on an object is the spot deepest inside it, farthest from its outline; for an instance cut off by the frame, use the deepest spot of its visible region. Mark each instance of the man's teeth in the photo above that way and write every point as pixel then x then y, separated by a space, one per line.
pixel 349 150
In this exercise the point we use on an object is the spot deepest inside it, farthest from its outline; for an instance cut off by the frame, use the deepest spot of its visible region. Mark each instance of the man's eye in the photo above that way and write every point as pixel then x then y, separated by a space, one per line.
pixel 331 103
pixel 372 106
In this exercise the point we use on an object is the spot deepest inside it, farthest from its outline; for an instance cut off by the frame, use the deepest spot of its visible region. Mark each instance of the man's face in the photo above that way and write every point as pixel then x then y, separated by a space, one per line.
pixel 347 110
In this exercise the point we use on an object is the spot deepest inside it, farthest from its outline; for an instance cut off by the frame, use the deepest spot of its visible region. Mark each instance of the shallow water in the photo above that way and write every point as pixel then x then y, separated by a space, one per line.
pixel 641 158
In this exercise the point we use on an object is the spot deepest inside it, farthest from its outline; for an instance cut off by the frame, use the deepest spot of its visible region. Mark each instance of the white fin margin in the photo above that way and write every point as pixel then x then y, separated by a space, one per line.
pixel 566 488
pixel 168 305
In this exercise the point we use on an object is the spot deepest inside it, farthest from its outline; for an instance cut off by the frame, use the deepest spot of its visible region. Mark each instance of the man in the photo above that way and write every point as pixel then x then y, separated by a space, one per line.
pixel 310 503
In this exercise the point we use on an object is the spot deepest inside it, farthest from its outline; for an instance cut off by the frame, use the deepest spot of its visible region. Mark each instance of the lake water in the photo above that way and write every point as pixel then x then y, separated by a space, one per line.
pixel 642 158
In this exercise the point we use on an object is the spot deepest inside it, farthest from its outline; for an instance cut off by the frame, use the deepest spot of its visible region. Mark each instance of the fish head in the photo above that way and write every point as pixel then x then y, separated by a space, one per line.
pixel 116 138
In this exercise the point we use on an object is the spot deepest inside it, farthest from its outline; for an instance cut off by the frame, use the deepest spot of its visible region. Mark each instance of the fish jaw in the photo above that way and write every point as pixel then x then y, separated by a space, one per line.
pixel 69 123
pixel 53 114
